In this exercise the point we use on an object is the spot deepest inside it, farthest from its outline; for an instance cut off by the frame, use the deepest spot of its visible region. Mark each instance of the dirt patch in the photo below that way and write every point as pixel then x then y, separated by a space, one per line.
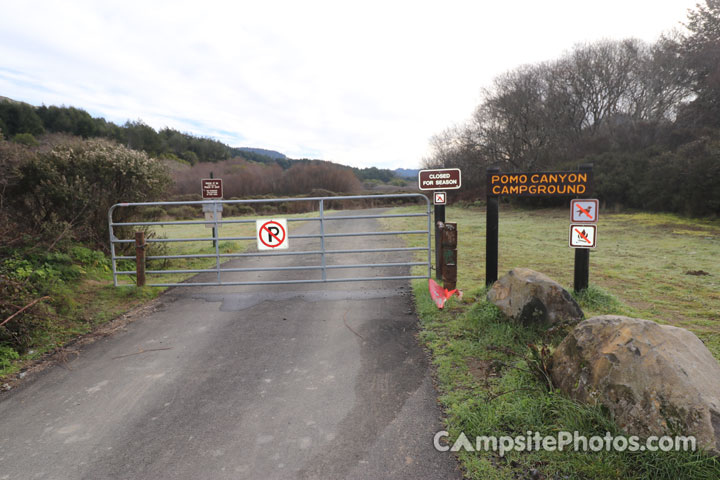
pixel 482 370
pixel 697 273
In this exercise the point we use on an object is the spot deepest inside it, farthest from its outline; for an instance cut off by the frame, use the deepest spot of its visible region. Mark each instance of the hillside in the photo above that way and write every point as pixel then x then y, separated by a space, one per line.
pixel 23 122
pixel 261 151
pixel 406 172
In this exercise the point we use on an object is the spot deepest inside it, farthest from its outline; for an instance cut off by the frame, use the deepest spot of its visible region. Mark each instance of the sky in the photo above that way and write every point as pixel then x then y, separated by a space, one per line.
pixel 359 83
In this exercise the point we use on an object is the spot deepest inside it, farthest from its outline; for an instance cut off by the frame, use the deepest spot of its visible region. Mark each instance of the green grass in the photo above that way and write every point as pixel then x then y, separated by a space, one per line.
pixel 80 297
pixel 201 247
pixel 490 381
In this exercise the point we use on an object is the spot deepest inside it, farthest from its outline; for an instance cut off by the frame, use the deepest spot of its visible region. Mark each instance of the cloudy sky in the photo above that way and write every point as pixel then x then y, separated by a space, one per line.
pixel 361 83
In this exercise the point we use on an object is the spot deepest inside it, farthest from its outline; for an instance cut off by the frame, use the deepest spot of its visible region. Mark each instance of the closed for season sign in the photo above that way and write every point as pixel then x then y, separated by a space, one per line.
pixel 439 179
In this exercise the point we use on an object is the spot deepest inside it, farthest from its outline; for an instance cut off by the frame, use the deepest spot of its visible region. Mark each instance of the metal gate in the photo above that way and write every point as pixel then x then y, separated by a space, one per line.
pixel 322 252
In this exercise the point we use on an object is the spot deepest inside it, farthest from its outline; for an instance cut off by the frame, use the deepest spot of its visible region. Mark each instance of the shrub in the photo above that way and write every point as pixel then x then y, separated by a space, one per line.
pixel 268 209
pixel 74 184
pixel 25 139
pixel 7 355
pixel 229 210
pixel 244 210
pixel 183 212
pixel 151 213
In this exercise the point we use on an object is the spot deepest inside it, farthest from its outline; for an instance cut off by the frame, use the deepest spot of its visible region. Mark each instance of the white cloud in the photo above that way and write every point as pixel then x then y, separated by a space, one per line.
pixel 363 83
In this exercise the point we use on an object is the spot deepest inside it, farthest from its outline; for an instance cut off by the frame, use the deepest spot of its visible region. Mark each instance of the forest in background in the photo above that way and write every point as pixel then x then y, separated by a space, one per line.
pixel 647 116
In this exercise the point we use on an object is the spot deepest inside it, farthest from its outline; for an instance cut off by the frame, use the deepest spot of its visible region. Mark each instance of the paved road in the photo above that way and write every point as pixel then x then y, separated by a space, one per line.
pixel 303 381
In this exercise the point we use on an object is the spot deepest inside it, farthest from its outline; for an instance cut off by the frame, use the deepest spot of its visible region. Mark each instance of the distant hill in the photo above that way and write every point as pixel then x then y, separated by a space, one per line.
pixel 261 151
pixel 169 144
pixel 10 100
pixel 406 172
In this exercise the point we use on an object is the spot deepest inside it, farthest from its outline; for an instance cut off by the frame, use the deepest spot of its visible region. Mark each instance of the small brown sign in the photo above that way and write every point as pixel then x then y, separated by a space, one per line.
pixel 439 179
pixel 211 188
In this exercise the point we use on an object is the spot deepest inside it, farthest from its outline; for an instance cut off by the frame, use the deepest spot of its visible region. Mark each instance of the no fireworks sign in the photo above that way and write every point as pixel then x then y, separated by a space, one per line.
pixel 272 234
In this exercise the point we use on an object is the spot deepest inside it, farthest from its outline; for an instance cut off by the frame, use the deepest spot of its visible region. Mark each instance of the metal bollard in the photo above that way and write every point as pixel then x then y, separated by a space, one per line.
pixel 449 254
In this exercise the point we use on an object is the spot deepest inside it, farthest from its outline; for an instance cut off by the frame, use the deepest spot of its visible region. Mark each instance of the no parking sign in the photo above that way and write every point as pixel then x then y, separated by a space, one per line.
pixel 272 234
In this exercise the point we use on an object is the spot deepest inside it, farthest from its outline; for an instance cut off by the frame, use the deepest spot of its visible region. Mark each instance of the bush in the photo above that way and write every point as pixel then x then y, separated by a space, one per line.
pixel 25 139
pixel 151 214
pixel 244 210
pixel 7 355
pixel 183 212
pixel 73 185
pixel 268 210
pixel 188 197
pixel 229 210
pixel 88 258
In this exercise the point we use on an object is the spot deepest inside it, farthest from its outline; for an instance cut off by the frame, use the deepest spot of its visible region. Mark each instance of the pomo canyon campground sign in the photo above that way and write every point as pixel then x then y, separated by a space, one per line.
pixel 535 184
pixel 584 212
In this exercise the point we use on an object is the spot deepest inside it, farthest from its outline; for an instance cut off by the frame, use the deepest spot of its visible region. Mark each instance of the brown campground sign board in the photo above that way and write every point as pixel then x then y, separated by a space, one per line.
pixel 539 184
pixel 583 234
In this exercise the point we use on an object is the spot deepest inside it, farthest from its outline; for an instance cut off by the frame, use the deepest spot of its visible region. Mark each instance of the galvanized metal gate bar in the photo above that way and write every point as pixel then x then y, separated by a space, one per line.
pixel 322 218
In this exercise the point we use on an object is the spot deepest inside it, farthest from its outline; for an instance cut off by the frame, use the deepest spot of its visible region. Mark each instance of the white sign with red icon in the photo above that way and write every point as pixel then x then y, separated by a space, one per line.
pixel 583 235
pixel 272 234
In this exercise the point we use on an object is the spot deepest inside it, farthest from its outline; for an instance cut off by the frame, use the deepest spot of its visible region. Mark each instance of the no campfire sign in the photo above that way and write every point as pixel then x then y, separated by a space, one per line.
pixel 583 236
pixel 272 234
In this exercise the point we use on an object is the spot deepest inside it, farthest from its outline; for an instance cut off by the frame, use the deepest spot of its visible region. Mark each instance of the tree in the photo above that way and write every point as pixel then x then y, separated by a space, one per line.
pixel 700 49
pixel 19 118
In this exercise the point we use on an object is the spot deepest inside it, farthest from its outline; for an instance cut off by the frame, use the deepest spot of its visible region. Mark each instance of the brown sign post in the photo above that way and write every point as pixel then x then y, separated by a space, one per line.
pixel 439 179
pixel 212 190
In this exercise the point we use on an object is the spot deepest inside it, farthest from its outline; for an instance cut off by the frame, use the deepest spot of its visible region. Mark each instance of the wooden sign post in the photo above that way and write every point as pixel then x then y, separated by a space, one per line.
pixel 439 179
pixel 533 184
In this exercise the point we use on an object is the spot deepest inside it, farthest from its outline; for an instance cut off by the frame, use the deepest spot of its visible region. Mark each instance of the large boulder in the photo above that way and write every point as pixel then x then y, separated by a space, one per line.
pixel 530 296
pixel 655 379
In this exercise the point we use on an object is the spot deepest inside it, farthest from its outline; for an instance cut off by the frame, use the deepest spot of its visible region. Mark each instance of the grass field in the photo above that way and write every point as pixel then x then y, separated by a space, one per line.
pixel 198 247
pixel 659 267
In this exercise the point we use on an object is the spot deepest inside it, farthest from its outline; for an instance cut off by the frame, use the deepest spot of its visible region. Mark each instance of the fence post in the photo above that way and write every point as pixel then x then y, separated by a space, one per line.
pixel 140 258
pixel 321 212
pixel 449 255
